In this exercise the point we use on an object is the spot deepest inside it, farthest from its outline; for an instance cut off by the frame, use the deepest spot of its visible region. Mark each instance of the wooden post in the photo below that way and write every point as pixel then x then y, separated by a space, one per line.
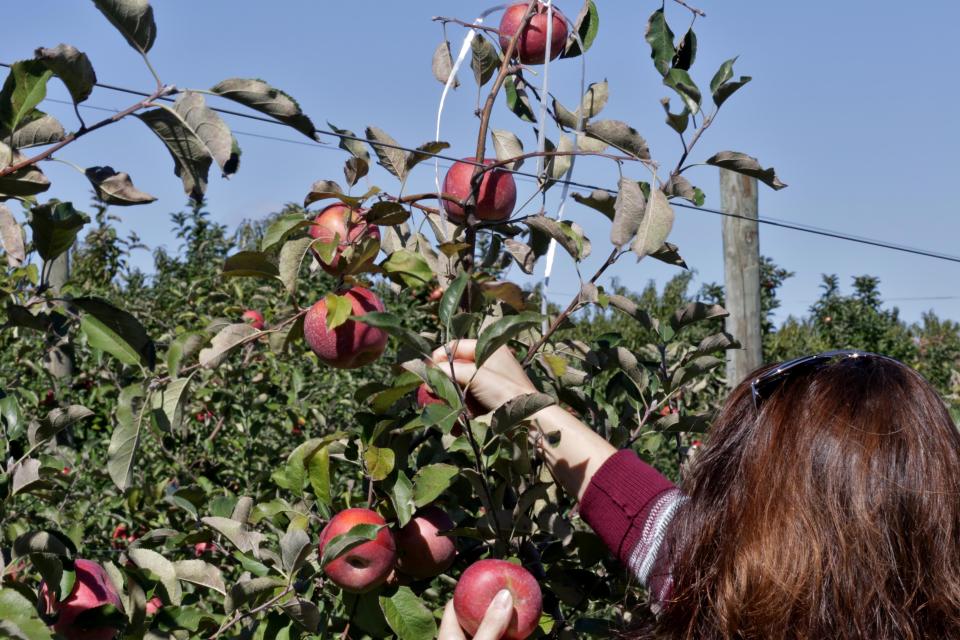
pixel 741 267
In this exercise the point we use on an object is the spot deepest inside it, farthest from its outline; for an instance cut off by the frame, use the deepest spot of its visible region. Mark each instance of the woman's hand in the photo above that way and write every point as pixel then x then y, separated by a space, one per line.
pixel 494 622
pixel 501 378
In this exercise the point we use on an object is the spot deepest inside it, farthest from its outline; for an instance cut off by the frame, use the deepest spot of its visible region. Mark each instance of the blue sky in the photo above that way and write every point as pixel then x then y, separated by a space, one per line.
pixel 846 102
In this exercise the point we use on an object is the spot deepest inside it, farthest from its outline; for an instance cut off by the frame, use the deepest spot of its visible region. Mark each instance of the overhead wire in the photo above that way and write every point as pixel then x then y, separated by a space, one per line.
pixel 765 220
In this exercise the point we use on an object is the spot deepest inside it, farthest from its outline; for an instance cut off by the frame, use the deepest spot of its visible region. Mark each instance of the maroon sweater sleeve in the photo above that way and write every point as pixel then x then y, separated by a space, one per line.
pixel 619 499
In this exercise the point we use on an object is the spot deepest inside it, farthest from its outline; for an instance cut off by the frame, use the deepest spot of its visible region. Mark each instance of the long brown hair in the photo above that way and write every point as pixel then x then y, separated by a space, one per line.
pixel 833 511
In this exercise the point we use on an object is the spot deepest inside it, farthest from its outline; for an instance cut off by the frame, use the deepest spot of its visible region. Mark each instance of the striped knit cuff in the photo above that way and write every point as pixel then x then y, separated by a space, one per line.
pixel 646 554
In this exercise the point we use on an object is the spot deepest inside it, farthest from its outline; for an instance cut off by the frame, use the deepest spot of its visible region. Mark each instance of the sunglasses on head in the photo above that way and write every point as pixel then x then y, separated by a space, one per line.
pixel 763 385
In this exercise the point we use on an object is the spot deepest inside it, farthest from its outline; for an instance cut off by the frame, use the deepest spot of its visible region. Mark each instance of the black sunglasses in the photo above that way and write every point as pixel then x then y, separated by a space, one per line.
pixel 763 385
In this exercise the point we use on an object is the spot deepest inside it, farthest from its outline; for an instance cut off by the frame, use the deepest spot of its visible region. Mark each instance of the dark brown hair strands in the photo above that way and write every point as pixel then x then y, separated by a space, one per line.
pixel 833 511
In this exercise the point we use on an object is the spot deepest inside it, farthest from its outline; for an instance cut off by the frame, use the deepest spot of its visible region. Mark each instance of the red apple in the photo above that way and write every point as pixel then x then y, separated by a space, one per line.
pixel 435 295
pixel 532 43
pixel 365 566
pixel 201 548
pixel 91 589
pixel 352 344
pixel 482 581
pixel 495 200
pixel 422 552
pixel 253 318
pixel 334 221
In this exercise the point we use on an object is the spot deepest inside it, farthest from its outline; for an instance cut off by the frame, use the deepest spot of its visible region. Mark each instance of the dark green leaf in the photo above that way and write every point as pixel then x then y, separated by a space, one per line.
pixel 620 135
pixel 55 226
pixel 507 145
pixel 125 440
pixel 72 67
pixel 133 19
pixel 409 618
pixel 585 26
pixel 686 52
pixel 450 302
pixel 669 254
pixel 28 181
pixel 116 331
pixel 35 130
pixel 201 573
pixel 681 82
pixel 390 156
pixel 291 257
pixel 191 155
pixel 568 234
pixel 401 494
pixel 391 324
pixel 251 264
pixel 379 461
pixel 387 213
pixel 116 188
pixel 24 88
pixel 260 96
pixel 660 38
pixel 160 567
pixel 425 152
pixel 226 340
pixel 19 619
pixel 517 99
pixel 629 307
pixel 502 331
pixel 280 228
pixel 696 312
pixel 748 166
pixel 407 267
pixel 677 121
pixel 431 481
pixel 599 199
pixel 485 60
pixel 518 409
pixel 294 548
pixel 55 422
pixel 339 545
pixel 355 147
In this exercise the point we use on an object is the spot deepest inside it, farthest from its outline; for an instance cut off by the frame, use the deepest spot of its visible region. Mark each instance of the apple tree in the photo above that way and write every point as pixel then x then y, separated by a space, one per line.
pixel 295 463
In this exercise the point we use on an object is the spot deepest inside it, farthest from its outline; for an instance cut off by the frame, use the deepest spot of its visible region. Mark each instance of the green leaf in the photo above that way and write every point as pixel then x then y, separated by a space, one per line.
pixel 72 67
pixel 245 540
pixel 693 369
pixel 660 38
pixel 260 96
pixel 210 129
pixel 568 235
pixel 517 99
pixel 655 226
pixel 484 61
pixel 125 439
pixel 450 302
pixel 502 331
pixel 629 209
pixel 26 477
pixel 669 254
pixel 318 471
pixel 748 166
pixel 723 74
pixel 252 592
pixel 184 345
pixel 201 573
pixel 226 340
pixel 354 146
pixel 599 199
pixel 409 618
pixel 443 385
pixel 676 121
pixel 586 25
pixel 443 64
pixel 391 324
pixel 19 618
pixel 379 461
pixel 35 129
pixel 28 181
pixel 401 494
pixel 391 157
pixel 409 268
pixel 24 88
pixel 629 307
pixel 116 188
pixel 387 213
pixel 160 567
pixel 681 82
pixel 425 152
pixel 169 402
pixel 620 135
pixel 294 548
pixel 191 155
pixel 55 226
pixel 518 409
pixel 696 312
pixel 133 19
pixel 280 228
pixel 250 264
pixel 55 422
pixel 507 145
pixel 116 331
pixel 431 481
pixel 291 257
pixel 339 309
pixel 339 545
pixel 686 52
pixel 304 613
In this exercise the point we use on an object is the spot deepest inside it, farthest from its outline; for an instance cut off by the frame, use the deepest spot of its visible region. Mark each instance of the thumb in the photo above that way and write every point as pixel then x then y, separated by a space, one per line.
pixel 497 618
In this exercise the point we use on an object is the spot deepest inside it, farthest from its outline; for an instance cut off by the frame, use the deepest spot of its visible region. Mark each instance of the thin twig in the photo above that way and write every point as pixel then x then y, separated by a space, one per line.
pixel 471 25
pixel 694 10
pixel 43 155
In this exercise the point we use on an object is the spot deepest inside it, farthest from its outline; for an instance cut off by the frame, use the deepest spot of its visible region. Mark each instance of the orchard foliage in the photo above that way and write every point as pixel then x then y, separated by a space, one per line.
pixel 223 446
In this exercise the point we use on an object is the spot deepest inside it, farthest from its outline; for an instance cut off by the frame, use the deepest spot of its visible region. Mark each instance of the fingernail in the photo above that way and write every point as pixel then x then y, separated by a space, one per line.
pixel 503 599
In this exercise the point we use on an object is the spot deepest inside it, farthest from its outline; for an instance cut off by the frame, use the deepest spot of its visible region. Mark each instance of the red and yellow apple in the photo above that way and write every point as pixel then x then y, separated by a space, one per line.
pixel 496 197
pixel 91 589
pixel 253 318
pixel 423 553
pixel 532 43
pixel 352 344
pixel 481 582
pixel 365 566
pixel 348 226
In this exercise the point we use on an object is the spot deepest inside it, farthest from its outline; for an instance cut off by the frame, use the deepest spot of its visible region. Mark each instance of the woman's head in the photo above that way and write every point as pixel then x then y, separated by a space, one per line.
pixel 831 508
